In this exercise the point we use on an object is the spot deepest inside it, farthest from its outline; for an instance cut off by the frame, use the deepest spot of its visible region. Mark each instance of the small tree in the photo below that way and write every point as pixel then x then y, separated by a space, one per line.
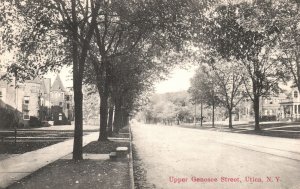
pixel 203 88
pixel 229 84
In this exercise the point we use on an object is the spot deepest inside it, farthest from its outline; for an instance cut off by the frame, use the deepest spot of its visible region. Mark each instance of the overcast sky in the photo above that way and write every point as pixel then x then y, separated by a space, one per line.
pixel 179 80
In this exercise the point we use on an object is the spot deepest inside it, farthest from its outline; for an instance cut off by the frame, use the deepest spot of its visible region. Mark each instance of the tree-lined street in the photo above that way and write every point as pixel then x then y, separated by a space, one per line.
pixel 248 70
pixel 169 153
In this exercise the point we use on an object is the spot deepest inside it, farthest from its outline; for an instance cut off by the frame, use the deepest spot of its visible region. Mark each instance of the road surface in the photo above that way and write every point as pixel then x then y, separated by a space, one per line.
pixel 177 157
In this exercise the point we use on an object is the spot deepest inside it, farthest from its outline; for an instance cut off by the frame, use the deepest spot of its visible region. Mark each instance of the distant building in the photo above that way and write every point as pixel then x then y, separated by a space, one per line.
pixel 290 107
pixel 63 98
pixel 37 98
pixel 270 108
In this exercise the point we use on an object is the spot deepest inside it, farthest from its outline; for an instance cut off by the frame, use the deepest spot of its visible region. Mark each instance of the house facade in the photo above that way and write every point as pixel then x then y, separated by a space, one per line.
pixel 290 107
pixel 61 100
pixel 37 98
pixel 284 106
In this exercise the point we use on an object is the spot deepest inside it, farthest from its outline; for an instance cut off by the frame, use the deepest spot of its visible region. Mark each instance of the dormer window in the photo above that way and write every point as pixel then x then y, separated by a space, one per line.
pixel 295 94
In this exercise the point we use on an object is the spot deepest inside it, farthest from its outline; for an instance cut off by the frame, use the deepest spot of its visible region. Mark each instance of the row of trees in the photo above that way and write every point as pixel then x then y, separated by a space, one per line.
pixel 169 108
pixel 250 48
pixel 115 47
pixel 176 108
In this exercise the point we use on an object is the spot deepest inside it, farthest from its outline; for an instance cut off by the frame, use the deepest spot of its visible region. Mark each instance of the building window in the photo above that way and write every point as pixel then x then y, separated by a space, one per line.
pixel 298 108
pixel 266 112
pixel 295 94
pixel 60 103
pixel 42 102
pixel 26 115
pixel 68 106
pixel 271 112
pixel 1 95
pixel 295 107
pixel 26 100
pixel 67 97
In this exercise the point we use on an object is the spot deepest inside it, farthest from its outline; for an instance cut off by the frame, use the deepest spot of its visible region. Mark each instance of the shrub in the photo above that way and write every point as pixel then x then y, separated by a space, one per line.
pixel 8 118
pixel 34 122
pixel 56 111
pixel 268 118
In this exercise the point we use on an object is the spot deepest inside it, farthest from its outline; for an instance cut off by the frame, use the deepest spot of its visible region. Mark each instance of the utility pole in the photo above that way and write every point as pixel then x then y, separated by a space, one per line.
pixel 201 115
pixel 195 117
pixel 213 97
pixel 16 88
pixel 16 101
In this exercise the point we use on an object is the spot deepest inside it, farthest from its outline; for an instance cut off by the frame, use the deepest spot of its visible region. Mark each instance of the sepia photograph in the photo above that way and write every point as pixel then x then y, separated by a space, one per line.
pixel 150 94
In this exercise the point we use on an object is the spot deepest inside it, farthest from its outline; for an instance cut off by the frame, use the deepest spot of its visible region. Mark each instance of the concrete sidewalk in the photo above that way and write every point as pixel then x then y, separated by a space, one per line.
pixel 17 167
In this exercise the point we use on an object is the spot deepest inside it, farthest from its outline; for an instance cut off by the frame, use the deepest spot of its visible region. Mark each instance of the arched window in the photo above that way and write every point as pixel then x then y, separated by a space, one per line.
pixel 295 94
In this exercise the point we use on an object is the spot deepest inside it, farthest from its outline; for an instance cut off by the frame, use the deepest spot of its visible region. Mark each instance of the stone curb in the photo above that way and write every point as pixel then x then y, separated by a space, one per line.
pixel 131 160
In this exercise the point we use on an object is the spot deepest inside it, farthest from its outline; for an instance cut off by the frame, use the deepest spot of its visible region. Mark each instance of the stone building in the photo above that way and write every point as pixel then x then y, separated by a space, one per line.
pixel 37 98
pixel 62 99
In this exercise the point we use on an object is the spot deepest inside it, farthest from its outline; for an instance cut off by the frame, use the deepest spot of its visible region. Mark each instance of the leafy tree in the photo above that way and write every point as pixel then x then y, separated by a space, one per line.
pixel 90 104
pixel 47 34
pixel 168 107
pixel 226 34
pixel 282 17
pixel 124 27
pixel 229 80
pixel 203 88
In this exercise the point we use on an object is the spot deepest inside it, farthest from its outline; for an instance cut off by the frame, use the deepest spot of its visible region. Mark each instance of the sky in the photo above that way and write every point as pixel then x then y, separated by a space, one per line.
pixel 178 80
pixel 65 75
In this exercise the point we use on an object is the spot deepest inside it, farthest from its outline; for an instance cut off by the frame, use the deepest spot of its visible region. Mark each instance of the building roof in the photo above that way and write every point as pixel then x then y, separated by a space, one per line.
pixel 58 85
pixel 36 80
pixel 47 85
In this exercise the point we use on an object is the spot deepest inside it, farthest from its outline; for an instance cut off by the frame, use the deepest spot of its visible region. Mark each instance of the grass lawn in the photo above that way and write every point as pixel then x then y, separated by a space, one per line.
pixel 22 147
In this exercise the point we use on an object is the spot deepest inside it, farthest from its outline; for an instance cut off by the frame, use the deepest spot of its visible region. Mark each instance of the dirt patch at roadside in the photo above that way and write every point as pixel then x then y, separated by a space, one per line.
pixel 139 172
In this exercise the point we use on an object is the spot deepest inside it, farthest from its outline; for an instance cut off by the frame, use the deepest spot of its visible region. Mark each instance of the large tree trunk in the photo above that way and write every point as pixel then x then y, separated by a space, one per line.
pixel 77 147
pixel 110 120
pixel 103 117
pixel 118 116
pixel 104 95
pixel 77 84
pixel 213 114
pixel 256 112
pixel 125 118
pixel 78 70
pixel 230 118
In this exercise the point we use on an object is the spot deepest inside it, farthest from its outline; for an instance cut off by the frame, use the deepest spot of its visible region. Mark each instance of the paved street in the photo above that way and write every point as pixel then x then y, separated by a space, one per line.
pixel 201 158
